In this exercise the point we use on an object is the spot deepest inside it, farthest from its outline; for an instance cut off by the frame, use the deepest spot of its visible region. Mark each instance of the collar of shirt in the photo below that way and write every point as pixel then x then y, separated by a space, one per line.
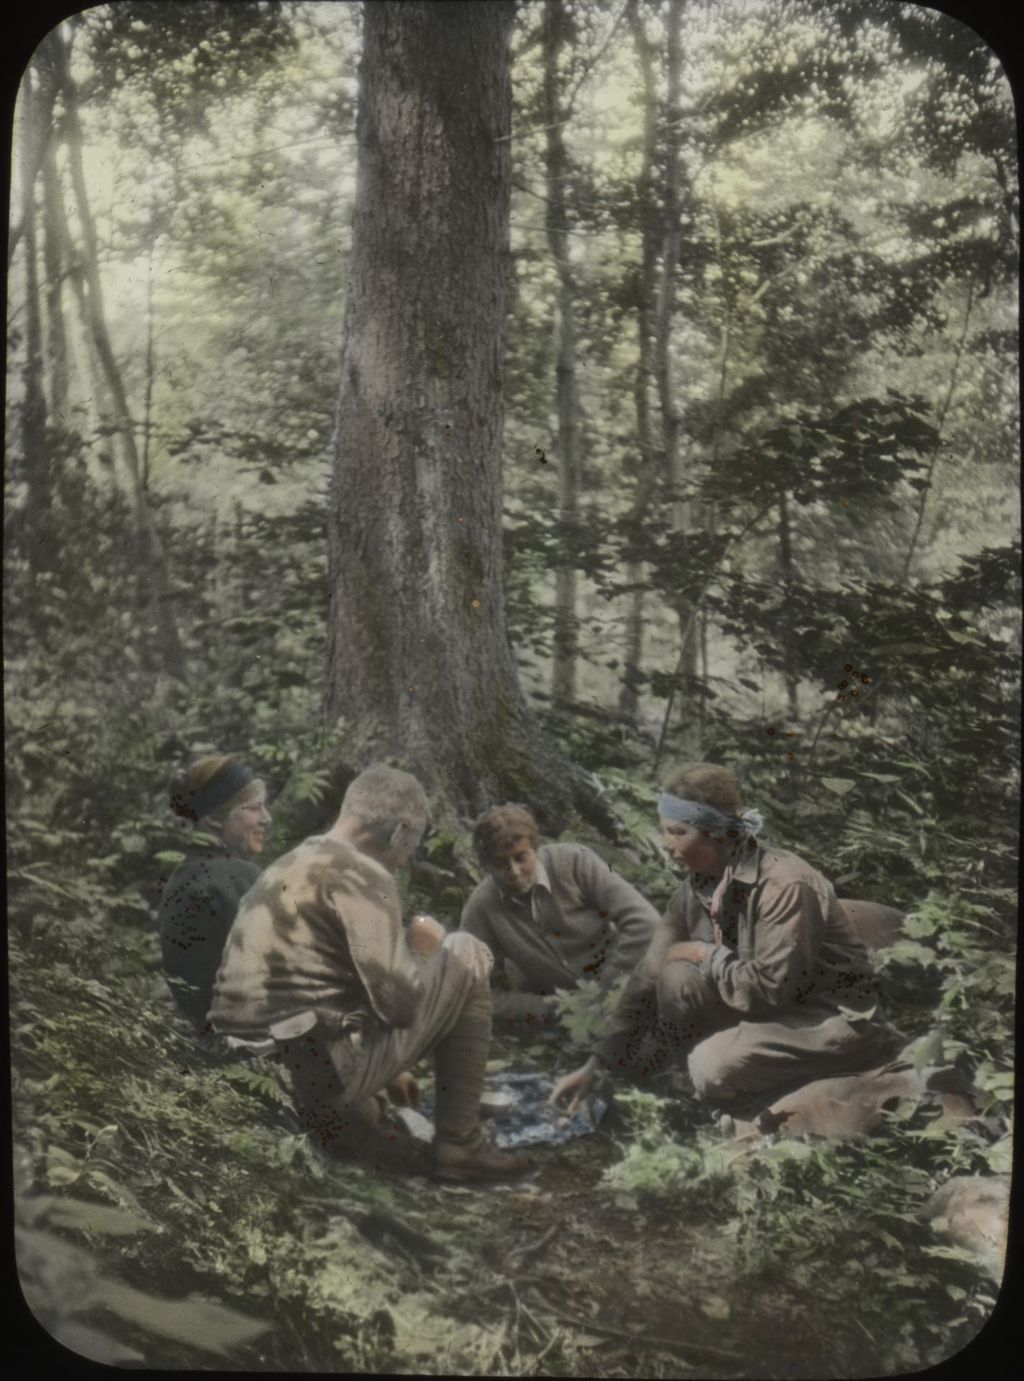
pixel 526 899
pixel 746 867
pixel 747 863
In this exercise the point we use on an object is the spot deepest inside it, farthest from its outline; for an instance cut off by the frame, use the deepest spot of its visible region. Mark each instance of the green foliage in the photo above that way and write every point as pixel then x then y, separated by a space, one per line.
pixel 837 1221
pixel 584 1010
pixel 656 1168
pixel 844 1221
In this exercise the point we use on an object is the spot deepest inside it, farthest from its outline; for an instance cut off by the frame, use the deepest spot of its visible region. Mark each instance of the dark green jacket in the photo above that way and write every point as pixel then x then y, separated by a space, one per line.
pixel 199 903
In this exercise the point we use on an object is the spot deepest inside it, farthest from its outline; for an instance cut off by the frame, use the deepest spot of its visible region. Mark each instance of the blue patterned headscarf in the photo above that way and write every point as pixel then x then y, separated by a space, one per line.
pixel 705 817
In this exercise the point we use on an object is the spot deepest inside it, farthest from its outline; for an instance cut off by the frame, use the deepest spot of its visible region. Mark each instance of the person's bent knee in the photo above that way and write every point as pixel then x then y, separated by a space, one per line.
pixel 682 991
pixel 467 953
pixel 712 1069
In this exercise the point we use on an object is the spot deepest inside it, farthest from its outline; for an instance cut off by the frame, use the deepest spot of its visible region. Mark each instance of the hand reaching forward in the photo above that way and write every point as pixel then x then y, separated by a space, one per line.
pixel 575 1087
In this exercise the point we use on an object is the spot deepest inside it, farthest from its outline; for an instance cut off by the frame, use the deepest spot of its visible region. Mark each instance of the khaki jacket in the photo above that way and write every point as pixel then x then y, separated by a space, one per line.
pixel 321 929
pixel 785 944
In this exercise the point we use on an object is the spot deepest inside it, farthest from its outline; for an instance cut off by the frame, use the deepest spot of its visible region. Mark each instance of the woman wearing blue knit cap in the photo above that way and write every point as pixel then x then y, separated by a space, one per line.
pixel 227 803
pixel 755 976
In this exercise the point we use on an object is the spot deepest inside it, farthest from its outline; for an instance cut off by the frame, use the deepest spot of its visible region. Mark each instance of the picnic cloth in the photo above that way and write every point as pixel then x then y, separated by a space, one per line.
pixel 531 1122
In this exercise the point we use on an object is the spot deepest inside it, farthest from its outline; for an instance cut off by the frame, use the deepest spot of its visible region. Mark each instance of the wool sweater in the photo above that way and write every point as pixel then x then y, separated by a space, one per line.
pixel 580 921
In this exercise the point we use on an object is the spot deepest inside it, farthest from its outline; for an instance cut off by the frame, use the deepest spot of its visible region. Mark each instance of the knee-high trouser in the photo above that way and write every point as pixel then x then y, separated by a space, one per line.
pixel 742 1066
pixel 453 1022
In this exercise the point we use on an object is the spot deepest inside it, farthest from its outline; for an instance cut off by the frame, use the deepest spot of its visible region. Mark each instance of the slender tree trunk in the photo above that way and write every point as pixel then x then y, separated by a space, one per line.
pixel 419 661
pixel 645 324
pixel 788 578
pixel 670 248
pixel 54 266
pixel 563 681
pixel 147 402
pixel 940 423
pixel 154 583
pixel 35 465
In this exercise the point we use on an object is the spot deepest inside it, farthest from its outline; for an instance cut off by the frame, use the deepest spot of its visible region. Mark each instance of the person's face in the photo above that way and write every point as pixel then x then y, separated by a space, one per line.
pixel 514 866
pixel 688 845
pixel 245 826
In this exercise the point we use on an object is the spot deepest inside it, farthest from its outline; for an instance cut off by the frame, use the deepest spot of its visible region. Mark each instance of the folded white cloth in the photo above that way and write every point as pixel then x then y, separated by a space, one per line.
pixel 266 1047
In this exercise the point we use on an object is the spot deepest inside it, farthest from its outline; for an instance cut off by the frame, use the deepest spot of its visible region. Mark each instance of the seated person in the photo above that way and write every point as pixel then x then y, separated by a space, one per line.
pixel 754 975
pixel 228 803
pixel 321 932
pixel 553 913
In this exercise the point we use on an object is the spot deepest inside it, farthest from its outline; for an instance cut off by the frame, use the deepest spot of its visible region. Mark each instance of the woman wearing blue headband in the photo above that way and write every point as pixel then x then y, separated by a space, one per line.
pixel 227 803
pixel 754 976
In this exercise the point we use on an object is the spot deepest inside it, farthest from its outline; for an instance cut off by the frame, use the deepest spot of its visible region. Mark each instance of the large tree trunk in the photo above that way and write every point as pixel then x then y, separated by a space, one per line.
pixel 563 679
pixel 419 661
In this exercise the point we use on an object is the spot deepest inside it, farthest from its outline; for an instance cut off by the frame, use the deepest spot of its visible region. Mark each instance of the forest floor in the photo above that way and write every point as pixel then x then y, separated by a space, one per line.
pixel 561 1281
pixel 586 1288
pixel 227 1209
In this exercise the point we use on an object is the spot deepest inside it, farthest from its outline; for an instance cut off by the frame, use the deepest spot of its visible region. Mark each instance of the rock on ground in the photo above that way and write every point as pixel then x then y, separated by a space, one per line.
pixel 972 1211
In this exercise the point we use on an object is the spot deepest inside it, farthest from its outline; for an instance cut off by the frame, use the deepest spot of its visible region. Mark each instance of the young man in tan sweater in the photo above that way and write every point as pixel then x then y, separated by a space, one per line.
pixel 552 915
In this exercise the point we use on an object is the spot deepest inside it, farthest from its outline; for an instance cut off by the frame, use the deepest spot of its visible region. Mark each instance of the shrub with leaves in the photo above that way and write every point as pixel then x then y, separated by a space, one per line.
pixel 584 1011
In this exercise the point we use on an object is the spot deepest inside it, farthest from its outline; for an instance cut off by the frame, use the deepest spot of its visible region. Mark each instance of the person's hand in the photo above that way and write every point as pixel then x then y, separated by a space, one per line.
pixel 575 1087
pixel 404 1091
pixel 694 950
pixel 425 935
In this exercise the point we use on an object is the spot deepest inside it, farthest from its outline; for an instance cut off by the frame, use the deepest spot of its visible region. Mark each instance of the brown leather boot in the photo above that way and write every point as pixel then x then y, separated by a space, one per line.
pixel 478 1161
pixel 366 1132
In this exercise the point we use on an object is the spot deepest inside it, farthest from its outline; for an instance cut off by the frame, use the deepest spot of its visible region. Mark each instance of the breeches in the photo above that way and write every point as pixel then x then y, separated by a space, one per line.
pixel 451 998
pixel 744 1065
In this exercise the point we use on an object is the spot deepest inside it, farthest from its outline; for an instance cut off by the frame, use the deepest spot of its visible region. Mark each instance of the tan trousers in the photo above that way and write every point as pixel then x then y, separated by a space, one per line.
pixel 743 1066
pixel 453 1022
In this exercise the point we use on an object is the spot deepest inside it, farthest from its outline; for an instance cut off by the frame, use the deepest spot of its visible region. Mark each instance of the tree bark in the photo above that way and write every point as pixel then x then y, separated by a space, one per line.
pixel 419 661
pixel 629 696
pixel 940 423
pixel 563 679
pixel 670 247
pixel 34 516
pixel 788 577
pixel 55 268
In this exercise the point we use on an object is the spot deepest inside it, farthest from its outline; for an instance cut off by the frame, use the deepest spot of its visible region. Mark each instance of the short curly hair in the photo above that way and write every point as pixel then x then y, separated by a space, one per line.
pixel 708 783
pixel 383 798
pixel 501 826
